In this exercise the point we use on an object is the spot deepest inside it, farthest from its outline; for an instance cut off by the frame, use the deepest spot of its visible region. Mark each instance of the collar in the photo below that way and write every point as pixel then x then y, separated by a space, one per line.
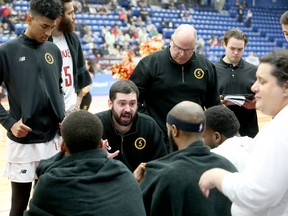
pixel 29 41
pixel 228 65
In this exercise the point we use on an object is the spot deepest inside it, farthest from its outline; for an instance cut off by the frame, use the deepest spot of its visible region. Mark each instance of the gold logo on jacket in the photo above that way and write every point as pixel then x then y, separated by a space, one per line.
pixel 49 58
pixel 199 73
pixel 140 143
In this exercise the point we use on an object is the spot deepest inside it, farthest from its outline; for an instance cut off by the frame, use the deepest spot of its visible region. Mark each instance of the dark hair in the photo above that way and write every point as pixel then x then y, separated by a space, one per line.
pixel 279 59
pixel 51 9
pixel 63 2
pixel 123 86
pixel 284 18
pixel 223 120
pixel 235 33
pixel 81 131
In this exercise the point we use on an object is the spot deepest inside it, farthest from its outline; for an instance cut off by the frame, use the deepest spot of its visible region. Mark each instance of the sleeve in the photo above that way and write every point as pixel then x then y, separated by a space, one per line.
pixel 263 184
pixel 83 76
pixel 212 94
pixel 140 77
pixel 6 119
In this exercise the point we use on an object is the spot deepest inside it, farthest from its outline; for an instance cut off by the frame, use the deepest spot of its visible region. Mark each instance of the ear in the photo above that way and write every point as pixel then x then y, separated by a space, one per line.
pixel 217 138
pixel 101 144
pixel 110 104
pixel 29 19
pixel 174 131
pixel 63 146
pixel 285 88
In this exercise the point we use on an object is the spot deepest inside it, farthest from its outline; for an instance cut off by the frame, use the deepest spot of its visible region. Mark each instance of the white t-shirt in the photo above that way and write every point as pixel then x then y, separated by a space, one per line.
pixel 236 150
pixel 70 96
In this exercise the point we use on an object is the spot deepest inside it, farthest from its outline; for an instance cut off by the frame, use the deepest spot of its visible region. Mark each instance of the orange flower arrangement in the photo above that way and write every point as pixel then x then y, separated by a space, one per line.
pixel 154 44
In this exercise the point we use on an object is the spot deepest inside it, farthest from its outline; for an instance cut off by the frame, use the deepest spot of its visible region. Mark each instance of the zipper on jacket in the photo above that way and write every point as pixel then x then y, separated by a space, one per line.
pixel 122 149
pixel 183 78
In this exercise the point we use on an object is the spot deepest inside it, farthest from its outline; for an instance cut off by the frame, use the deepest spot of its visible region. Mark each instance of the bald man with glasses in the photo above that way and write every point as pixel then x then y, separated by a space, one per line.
pixel 173 75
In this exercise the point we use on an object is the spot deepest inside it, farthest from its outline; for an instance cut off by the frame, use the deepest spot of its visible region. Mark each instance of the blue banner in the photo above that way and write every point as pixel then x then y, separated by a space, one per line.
pixel 102 84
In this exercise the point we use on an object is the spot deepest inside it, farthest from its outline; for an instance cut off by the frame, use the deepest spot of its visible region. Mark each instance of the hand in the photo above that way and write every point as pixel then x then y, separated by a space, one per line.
pixel 205 183
pixel 139 172
pixel 19 129
pixel 105 146
pixel 212 178
pixel 249 104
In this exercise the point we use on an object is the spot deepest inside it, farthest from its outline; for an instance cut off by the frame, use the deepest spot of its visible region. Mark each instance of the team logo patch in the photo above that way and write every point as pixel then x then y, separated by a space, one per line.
pixel 199 73
pixel 49 58
pixel 140 143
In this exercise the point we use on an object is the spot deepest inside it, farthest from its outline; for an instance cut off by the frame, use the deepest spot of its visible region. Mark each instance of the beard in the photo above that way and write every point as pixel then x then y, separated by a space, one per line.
pixel 65 25
pixel 119 118
pixel 173 146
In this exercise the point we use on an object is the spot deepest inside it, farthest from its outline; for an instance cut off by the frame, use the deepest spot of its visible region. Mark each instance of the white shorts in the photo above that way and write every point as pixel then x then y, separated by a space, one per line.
pixel 23 159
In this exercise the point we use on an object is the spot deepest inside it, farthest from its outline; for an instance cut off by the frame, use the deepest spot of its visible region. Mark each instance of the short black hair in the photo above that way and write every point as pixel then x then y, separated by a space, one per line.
pixel 123 86
pixel 81 131
pixel 63 3
pixel 221 119
pixel 51 9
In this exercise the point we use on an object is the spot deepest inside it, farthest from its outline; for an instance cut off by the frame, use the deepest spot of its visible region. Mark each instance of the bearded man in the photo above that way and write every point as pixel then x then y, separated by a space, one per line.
pixel 75 75
pixel 136 136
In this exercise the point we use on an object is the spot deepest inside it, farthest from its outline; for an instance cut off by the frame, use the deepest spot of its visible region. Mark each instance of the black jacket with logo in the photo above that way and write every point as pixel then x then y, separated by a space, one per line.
pixel 31 72
pixel 142 143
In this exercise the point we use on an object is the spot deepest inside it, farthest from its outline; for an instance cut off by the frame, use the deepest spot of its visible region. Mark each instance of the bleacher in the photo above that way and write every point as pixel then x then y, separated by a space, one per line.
pixel 264 35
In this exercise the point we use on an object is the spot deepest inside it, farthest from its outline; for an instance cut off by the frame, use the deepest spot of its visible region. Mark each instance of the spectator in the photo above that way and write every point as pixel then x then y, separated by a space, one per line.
pixel 104 50
pixel 252 58
pixel 284 24
pixel 135 135
pixel 74 71
pixel 81 180
pixel 240 13
pixel 261 189
pixel 186 16
pixel 249 18
pixel 6 29
pixel 88 38
pixel 235 77
pixel 169 186
pixel 213 41
pixel 5 12
pixel 174 74
pixel 36 105
pixel 123 16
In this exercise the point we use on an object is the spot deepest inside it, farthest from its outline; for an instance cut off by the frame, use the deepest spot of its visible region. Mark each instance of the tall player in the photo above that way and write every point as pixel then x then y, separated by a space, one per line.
pixel 74 72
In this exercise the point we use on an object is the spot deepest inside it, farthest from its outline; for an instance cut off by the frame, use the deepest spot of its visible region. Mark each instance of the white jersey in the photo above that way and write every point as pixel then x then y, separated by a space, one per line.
pixel 70 96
